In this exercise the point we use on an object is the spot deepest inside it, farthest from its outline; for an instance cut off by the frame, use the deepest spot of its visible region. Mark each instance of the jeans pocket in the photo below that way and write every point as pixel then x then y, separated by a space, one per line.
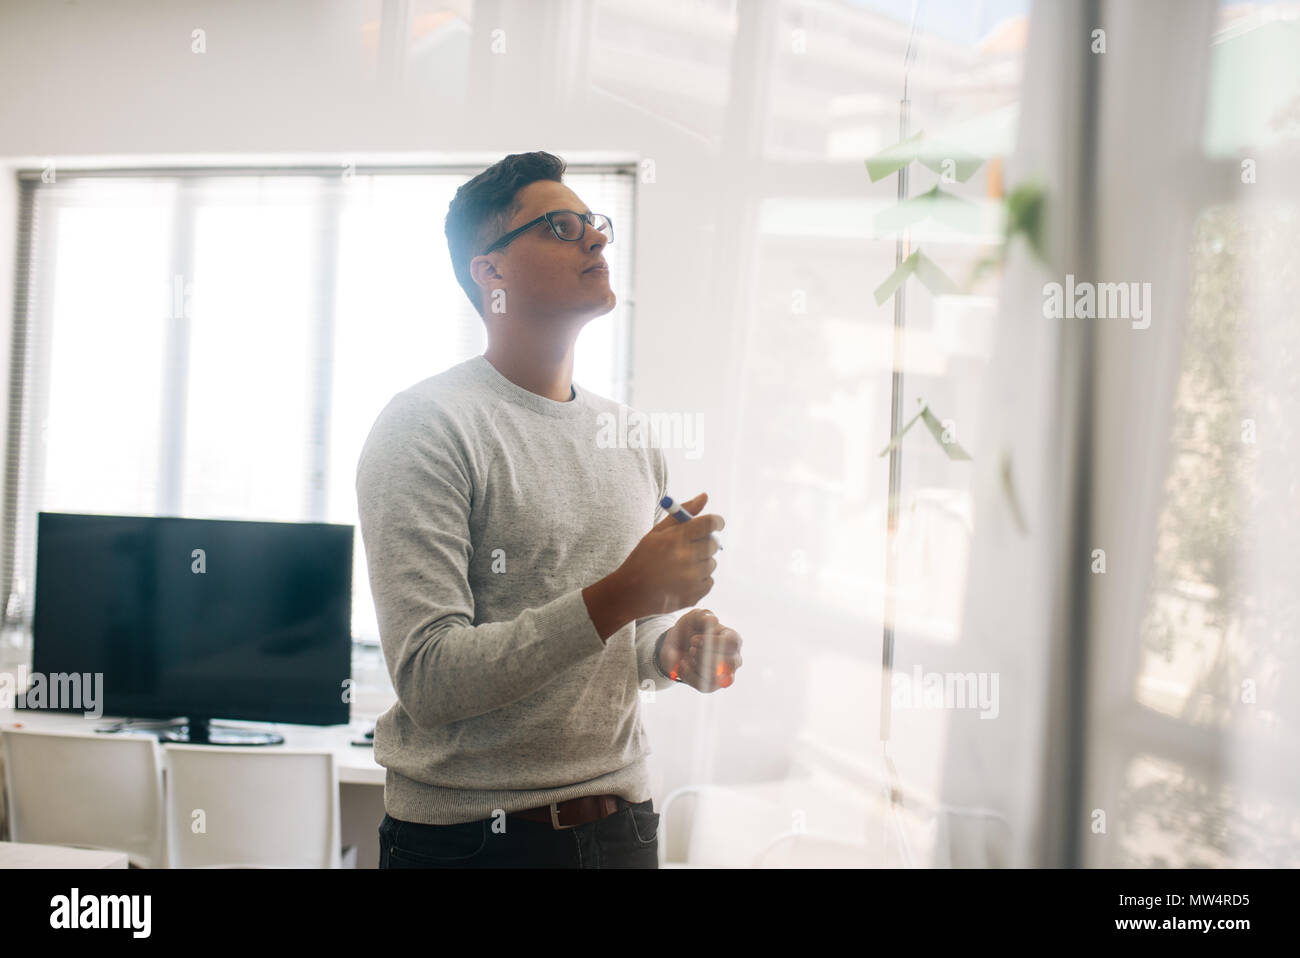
pixel 645 822
pixel 416 845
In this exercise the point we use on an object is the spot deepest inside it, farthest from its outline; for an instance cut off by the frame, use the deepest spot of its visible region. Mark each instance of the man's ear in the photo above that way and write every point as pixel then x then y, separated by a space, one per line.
pixel 483 271
pixel 485 274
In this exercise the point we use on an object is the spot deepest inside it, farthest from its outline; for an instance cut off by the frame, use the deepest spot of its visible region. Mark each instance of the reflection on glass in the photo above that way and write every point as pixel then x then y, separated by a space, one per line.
pixel 266 324
pixel 1171 816
pixel 1209 628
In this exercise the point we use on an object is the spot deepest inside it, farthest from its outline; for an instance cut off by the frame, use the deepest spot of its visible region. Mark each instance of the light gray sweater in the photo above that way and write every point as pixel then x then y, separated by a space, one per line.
pixel 485 509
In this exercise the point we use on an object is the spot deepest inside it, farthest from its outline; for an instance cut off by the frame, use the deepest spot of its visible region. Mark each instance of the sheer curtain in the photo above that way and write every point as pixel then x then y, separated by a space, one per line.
pixel 1079 413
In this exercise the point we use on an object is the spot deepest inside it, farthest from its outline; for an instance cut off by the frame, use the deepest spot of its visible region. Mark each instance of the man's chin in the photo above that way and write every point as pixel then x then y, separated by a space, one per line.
pixel 601 307
pixel 589 308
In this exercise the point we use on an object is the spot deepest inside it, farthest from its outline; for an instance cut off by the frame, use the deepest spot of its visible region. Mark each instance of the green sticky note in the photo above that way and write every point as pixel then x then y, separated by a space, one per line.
pixel 894 158
pixel 947 160
pixel 927 271
pixel 945 207
pixel 1013 500
pixel 932 277
pixel 901 433
pixel 895 279
pixel 932 422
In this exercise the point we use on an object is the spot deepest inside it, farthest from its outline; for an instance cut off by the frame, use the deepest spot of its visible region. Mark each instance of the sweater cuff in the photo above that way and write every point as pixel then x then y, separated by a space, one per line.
pixel 649 631
pixel 571 625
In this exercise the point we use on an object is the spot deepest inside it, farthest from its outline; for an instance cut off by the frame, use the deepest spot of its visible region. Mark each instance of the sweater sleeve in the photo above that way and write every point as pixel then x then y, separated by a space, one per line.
pixel 650 628
pixel 647 634
pixel 414 495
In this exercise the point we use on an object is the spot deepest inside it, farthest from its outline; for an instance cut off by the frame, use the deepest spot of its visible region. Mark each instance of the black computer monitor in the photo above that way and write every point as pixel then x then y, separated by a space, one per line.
pixel 198 618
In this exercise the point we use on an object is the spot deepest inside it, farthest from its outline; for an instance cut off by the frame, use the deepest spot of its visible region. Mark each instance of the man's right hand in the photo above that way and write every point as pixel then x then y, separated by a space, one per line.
pixel 672 566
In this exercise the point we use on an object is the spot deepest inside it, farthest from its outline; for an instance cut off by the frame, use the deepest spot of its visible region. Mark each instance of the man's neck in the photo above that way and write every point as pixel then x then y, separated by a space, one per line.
pixel 544 368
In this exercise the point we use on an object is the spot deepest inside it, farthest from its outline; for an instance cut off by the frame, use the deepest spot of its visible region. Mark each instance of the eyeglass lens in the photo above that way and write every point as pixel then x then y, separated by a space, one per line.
pixel 569 226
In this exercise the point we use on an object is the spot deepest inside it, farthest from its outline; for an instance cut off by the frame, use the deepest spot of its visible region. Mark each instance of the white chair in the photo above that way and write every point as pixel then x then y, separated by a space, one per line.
pixel 252 807
pixel 800 850
pixel 721 826
pixel 86 791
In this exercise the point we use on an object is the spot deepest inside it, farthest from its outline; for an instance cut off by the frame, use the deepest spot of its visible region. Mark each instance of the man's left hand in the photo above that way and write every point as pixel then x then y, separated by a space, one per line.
pixel 701 652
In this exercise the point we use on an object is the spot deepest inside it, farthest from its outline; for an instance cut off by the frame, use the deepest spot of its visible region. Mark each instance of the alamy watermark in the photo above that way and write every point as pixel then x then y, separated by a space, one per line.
pixel 946 690
pixel 632 429
pixel 76 691
pixel 1098 301
pixel 75 911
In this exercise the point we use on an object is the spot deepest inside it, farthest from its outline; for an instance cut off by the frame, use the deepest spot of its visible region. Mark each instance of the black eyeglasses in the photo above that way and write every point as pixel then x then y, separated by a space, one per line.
pixel 568 225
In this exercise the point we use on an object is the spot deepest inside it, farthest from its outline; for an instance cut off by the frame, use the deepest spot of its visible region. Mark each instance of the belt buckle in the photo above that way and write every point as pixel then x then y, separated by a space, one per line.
pixel 555 817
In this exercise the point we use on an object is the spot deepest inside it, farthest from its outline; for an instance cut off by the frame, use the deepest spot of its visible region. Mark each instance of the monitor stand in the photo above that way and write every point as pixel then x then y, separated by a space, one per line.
pixel 203 732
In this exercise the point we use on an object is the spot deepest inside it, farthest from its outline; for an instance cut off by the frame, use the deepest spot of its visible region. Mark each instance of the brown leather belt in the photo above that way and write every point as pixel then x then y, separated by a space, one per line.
pixel 574 812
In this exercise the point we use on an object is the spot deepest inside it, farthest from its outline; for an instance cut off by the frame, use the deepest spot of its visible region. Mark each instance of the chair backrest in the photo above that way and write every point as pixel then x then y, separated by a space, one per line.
pixel 86 790
pixel 972 838
pixel 248 807
pixel 800 850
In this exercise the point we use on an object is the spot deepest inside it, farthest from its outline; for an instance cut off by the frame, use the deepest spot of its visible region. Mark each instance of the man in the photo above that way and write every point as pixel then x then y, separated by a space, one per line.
pixel 523 574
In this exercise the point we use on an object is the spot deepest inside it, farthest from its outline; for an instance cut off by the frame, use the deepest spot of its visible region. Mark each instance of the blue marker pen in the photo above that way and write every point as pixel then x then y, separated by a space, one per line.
pixel 678 512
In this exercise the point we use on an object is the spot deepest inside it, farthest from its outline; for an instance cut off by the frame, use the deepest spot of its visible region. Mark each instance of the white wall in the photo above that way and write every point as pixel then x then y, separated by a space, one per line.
pixel 96 82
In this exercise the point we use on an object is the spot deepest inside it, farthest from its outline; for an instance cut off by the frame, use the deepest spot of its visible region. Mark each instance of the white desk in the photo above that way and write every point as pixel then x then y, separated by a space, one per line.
pixel 19 855
pixel 361 778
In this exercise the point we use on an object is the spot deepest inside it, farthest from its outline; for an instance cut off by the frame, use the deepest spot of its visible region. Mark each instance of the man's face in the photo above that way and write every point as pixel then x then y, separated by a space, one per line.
pixel 550 276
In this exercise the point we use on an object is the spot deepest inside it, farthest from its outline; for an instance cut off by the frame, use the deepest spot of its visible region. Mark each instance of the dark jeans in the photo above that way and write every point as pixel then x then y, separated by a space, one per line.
pixel 626 839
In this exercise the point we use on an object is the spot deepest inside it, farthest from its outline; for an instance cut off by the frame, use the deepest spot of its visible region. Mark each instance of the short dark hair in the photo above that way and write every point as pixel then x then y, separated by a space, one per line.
pixel 481 210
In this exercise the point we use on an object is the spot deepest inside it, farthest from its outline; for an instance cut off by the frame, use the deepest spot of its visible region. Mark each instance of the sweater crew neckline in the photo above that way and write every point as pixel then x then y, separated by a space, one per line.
pixel 523 397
